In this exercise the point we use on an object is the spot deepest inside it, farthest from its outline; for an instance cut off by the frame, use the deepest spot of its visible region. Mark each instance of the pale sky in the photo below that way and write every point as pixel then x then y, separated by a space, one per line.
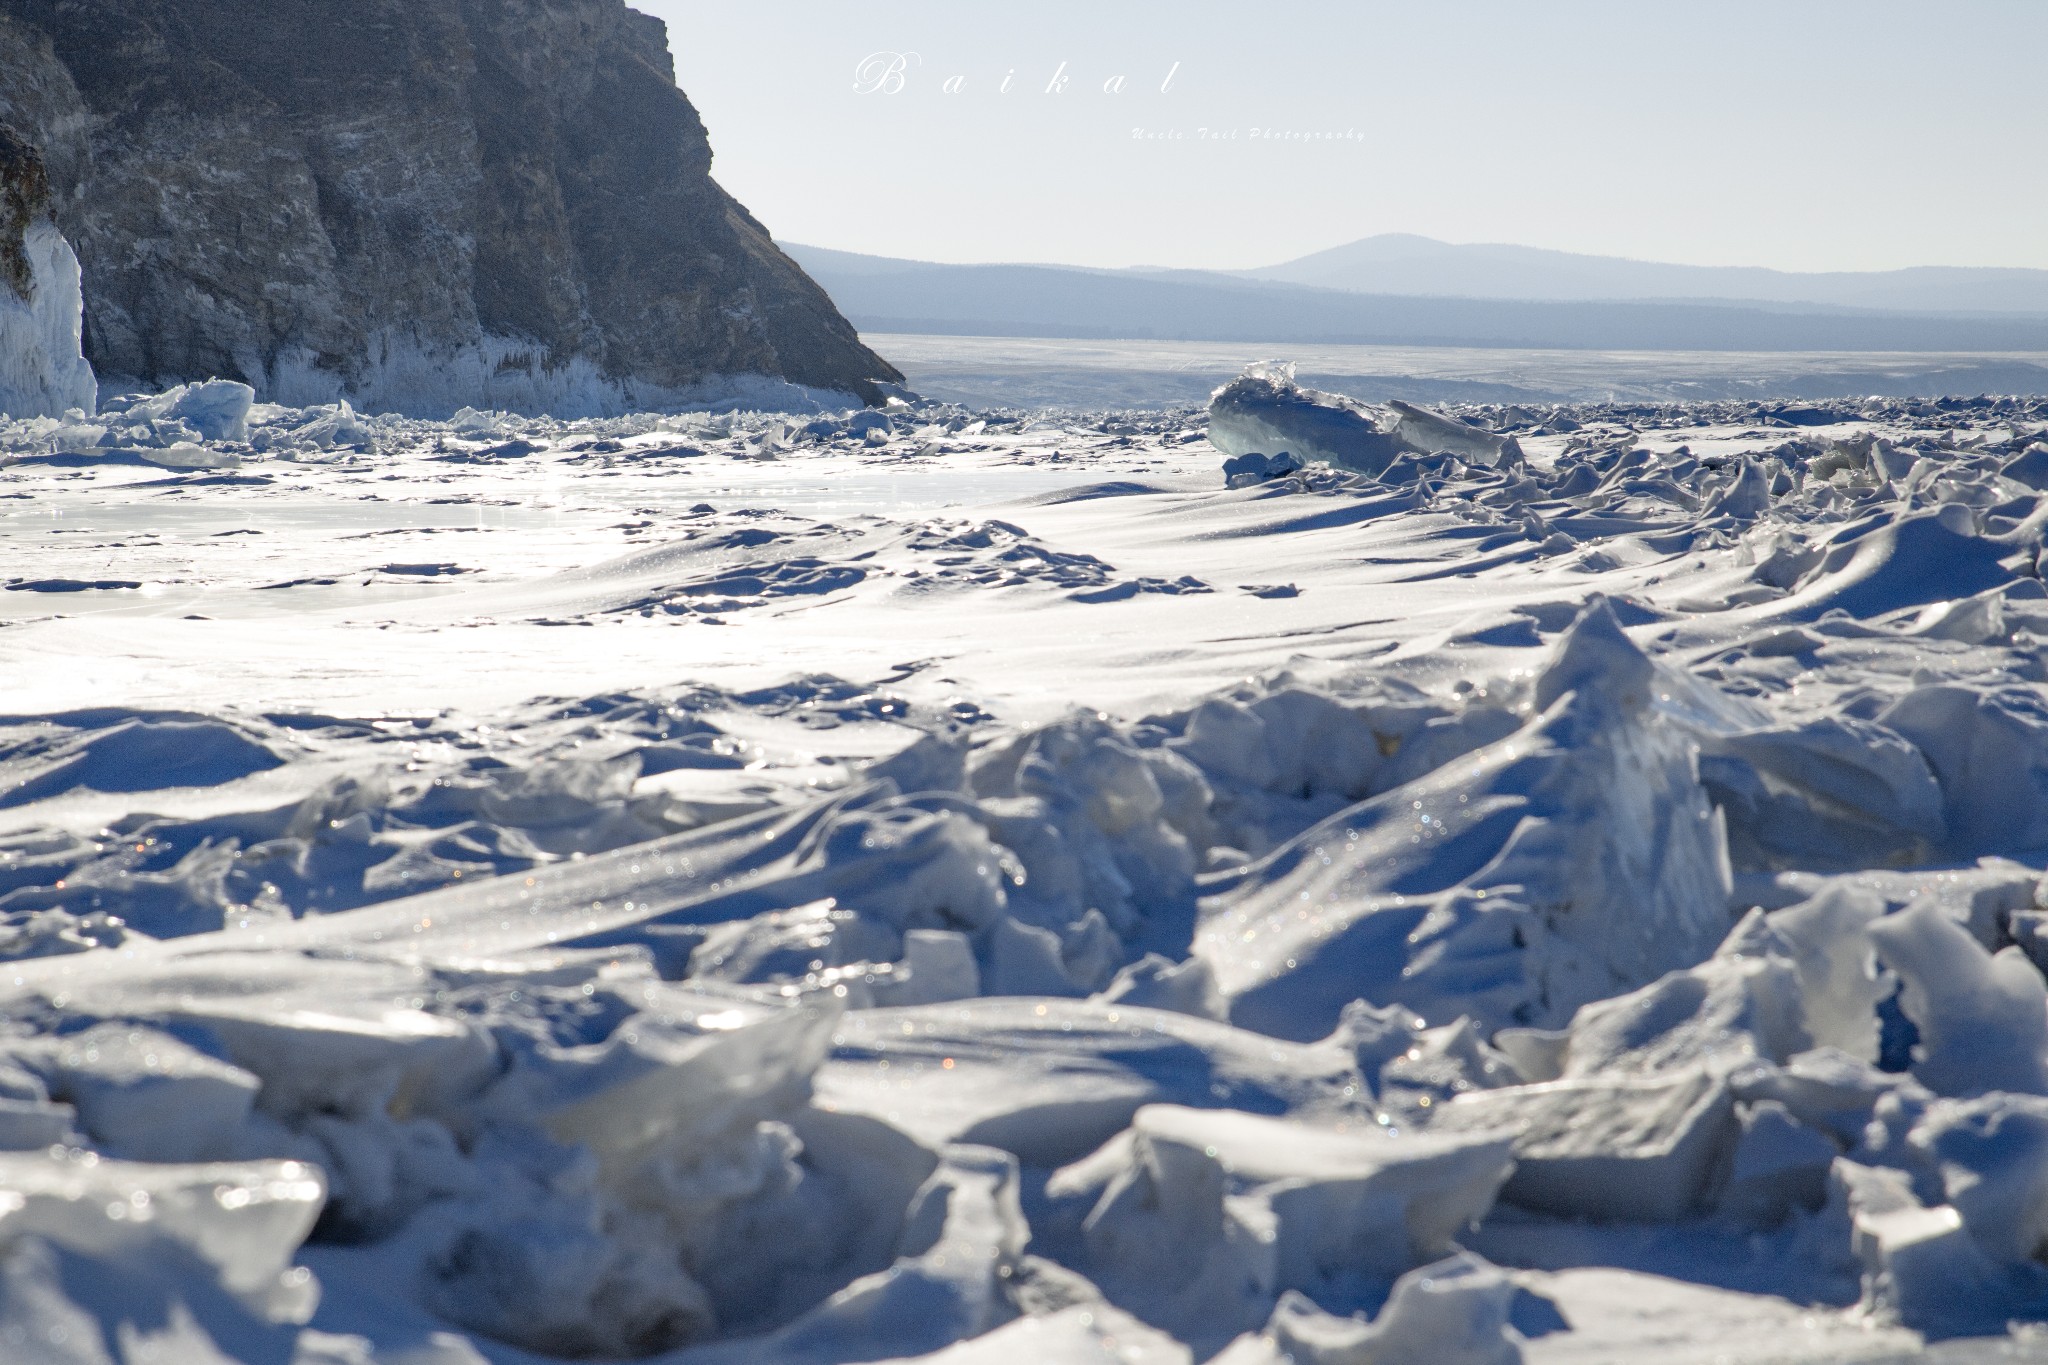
pixel 1800 134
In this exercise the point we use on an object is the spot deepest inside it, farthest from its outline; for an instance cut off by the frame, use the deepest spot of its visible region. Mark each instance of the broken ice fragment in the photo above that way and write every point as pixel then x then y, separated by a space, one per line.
pixel 957 1262
pixel 1454 1312
pixel 1264 412
pixel 145 1095
pixel 217 410
pixel 1983 1017
pixel 244 1220
pixel 1427 433
pixel 1638 1148
pixel 1921 1267
pixel 1244 471
pixel 1051 1080
pixel 1779 1165
pixel 1200 1217
pixel 1574 858
pixel 690 1069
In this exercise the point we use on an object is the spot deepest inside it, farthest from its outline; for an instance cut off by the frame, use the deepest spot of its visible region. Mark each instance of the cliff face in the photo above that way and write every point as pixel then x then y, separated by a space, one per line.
pixel 42 372
pixel 416 203
pixel 24 198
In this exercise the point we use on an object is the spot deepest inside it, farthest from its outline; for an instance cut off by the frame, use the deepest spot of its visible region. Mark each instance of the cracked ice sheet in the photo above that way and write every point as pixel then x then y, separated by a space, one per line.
pixel 489 765
pixel 282 593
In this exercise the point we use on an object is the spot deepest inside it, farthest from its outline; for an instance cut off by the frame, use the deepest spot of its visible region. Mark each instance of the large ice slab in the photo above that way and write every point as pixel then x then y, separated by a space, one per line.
pixel 244 1219
pixel 1052 1079
pixel 1921 1266
pixel 145 1094
pixel 1198 1219
pixel 682 1071
pixel 323 1035
pixel 1426 433
pixel 1264 412
pixel 1640 1148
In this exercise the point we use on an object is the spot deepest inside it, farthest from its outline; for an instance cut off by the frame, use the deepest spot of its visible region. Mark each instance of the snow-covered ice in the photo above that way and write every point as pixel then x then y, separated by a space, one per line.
pixel 1508 883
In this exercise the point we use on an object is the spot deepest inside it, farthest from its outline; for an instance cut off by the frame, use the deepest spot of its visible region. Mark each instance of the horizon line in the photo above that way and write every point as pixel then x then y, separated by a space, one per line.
pixel 1434 241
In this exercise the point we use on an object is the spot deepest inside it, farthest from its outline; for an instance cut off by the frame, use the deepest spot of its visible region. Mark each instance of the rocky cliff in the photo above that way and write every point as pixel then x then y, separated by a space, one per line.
pixel 417 204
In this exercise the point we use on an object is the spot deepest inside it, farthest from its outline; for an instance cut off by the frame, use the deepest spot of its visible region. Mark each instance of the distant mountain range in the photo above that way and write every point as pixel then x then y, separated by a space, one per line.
pixel 1411 291
pixel 1398 263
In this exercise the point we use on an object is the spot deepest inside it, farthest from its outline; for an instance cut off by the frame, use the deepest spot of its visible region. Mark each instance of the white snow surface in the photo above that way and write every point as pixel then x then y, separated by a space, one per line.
pixel 970 886
pixel 43 369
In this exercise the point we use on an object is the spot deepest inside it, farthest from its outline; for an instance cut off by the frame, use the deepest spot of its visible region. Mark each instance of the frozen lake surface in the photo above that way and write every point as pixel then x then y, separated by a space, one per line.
pixel 967 885
pixel 1035 371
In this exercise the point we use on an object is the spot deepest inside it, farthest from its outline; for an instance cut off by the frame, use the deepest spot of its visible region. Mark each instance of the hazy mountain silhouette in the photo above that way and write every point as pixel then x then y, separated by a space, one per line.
pixel 1399 263
pixel 886 294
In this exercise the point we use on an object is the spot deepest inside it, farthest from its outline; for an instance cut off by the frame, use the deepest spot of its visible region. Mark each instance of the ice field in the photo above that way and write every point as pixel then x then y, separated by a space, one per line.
pixel 973 884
